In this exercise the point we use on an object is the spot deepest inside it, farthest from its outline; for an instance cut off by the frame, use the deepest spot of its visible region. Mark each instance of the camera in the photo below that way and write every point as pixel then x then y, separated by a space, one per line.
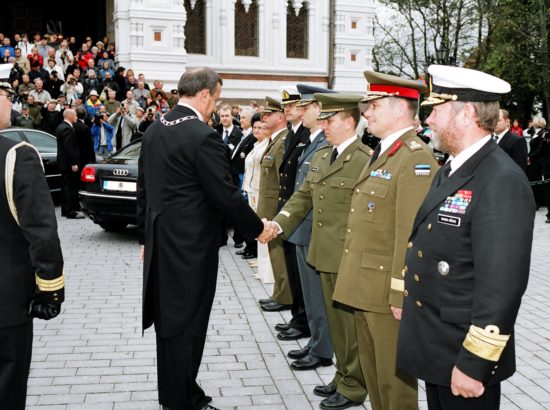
pixel 97 119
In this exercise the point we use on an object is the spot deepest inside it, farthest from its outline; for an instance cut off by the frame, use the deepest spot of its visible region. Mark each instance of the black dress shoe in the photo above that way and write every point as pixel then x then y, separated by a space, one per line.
pixel 325 391
pixel 310 362
pixel 265 301
pixel 274 307
pixel 208 399
pixel 239 245
pixel 74 215
pixel 298 354
pixel 249 255
pixel 209 407
pixel 337 402
pixel 241 252
pixel 282 326
pixel 292 334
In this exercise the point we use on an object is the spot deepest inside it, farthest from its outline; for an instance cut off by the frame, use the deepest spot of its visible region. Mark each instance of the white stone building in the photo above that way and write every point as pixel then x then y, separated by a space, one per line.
pixel 256 45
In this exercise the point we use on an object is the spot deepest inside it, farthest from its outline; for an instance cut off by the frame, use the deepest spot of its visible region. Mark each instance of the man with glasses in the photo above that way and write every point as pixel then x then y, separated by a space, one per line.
pixel 30 255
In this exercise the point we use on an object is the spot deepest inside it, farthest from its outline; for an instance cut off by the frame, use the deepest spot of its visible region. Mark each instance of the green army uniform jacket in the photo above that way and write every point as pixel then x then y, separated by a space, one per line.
pixel 327 189
pixel 268 196
pixel 385 201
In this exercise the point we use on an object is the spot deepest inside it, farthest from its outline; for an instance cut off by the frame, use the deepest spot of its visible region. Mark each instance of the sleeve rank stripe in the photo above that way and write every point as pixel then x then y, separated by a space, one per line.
pixel 50 285
pixel 485 343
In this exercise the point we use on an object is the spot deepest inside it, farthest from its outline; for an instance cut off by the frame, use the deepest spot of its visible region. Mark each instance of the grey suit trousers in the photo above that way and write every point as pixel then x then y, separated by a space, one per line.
pixel 320 342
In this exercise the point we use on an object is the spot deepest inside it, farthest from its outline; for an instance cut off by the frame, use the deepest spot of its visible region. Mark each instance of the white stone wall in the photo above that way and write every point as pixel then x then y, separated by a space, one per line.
pixel 135 22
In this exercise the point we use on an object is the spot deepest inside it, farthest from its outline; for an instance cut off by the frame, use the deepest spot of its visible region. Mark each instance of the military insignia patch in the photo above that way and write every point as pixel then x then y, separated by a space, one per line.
pixel 370 205
pixel 243 155
pixel 268 157
pixel 314 169
pixel 381 173
pixel 458 203
pixel 414 145
pixel 300 145
pixel 286 95
pixel 422 170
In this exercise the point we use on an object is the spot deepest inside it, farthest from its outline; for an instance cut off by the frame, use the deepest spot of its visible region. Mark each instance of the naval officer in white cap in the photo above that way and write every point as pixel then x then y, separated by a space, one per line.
pixel 468 256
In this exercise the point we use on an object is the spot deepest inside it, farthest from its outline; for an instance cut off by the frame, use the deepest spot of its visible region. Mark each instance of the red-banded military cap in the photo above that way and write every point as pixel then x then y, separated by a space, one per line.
pixel 386 85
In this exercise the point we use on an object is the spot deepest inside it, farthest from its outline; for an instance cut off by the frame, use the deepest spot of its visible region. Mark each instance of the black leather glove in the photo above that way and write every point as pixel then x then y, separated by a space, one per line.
pixel 45 311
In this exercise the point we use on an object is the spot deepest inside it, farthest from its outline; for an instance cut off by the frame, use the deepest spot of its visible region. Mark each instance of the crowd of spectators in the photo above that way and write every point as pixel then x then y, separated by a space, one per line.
pixel 52 72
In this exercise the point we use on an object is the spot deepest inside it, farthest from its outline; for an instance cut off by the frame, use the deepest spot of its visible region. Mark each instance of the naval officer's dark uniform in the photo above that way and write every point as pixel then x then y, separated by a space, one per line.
pixel 465 272
pixel 31 261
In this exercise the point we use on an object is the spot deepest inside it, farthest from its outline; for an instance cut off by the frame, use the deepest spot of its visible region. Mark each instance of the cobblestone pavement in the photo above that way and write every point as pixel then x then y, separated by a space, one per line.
pixel 93 356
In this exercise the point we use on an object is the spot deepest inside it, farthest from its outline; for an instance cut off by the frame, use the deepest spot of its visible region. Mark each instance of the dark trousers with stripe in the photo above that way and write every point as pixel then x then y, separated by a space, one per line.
pixel 298 309
pixel 15 362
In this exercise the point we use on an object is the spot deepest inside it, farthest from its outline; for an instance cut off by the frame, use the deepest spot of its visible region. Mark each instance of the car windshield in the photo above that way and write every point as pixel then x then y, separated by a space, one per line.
pixel 128 152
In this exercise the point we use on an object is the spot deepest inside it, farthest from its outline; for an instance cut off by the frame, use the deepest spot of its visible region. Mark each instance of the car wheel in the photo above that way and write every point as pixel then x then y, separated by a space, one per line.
pixel 113 226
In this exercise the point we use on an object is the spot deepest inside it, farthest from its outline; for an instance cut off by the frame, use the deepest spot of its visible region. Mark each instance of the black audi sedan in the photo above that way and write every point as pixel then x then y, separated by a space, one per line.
pixel 107 193
pixel 46 145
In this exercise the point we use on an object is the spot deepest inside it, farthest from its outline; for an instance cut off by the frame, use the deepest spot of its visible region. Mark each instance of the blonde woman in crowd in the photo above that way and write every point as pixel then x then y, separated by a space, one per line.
pixel 251 185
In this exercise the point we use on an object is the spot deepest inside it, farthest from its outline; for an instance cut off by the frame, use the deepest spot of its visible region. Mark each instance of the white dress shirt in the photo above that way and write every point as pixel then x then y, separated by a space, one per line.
pixel 465 155
pixel 390 139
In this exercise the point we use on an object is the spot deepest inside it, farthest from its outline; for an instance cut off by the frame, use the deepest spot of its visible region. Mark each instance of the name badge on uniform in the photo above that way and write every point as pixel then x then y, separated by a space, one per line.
pixel 314 169
pixel 243 155
pixel 448 220
pixel 423 170
pixel 231 146
pixel 381 173
pixel 457 203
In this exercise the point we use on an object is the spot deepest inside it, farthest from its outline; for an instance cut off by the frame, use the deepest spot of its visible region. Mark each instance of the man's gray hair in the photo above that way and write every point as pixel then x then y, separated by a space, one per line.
pixel 68 112
pixel 248 111
pixel 195 80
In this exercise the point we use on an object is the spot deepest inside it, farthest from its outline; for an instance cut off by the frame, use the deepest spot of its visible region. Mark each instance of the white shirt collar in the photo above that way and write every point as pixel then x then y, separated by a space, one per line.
pixel 229 129
pixel 247 131
pixel 295 127
pixel 390 139
pixel 199 115
pixel 68 122
pixel 499 136
pixel 466 154
pixel 314 134
pixel 342 147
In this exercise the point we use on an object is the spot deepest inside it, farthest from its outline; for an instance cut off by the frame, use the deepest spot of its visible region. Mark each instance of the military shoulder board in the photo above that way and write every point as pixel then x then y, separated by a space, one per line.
pixel 177 121
pixel 11 157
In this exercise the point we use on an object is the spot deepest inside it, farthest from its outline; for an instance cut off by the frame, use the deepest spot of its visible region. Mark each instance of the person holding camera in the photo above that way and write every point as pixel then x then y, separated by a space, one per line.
pixel 102 132
pixel 64 55
pixel 124 125
pixel 72 89
pixel 53 66
pixel 30 255
pixel 53 85
pixel 148 120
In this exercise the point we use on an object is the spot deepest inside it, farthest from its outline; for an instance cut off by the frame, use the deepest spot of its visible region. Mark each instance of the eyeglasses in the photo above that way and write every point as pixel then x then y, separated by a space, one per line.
pixel 8 96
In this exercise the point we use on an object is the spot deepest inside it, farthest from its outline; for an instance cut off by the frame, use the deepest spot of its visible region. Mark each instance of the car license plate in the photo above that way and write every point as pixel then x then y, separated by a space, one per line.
pixel 119 186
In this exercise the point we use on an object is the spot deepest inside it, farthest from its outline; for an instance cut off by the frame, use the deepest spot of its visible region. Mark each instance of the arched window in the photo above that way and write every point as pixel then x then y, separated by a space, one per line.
pixel 195 27
pixel 297 31
pixel 246 28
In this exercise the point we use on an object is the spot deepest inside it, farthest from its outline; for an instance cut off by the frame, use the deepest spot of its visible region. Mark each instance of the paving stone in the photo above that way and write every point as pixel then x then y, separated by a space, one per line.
pixel 94 356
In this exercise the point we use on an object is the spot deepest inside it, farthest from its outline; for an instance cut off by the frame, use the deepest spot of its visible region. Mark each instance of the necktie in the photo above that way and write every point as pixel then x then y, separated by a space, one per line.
pixel 443 174
pixel 376 153
pixel 333 155
pixel 495 137
pixel 226 137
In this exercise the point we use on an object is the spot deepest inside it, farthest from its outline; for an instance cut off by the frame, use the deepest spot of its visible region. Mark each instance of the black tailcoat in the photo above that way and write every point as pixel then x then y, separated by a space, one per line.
pixel 184 190
pixel 467 265
pixel 516 147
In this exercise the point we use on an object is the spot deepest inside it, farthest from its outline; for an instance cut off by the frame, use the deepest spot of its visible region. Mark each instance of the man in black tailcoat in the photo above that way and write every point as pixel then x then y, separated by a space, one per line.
pixel 468 258
pixel 184 190
pixel 30 256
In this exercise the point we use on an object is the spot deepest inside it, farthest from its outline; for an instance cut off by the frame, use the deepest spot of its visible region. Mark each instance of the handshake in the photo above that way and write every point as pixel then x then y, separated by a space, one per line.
pixel 270 231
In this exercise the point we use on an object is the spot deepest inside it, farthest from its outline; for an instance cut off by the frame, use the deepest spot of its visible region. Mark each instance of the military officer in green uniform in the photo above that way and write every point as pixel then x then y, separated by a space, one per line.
pixel 274 120
pixel 385 200
pixel 327 190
